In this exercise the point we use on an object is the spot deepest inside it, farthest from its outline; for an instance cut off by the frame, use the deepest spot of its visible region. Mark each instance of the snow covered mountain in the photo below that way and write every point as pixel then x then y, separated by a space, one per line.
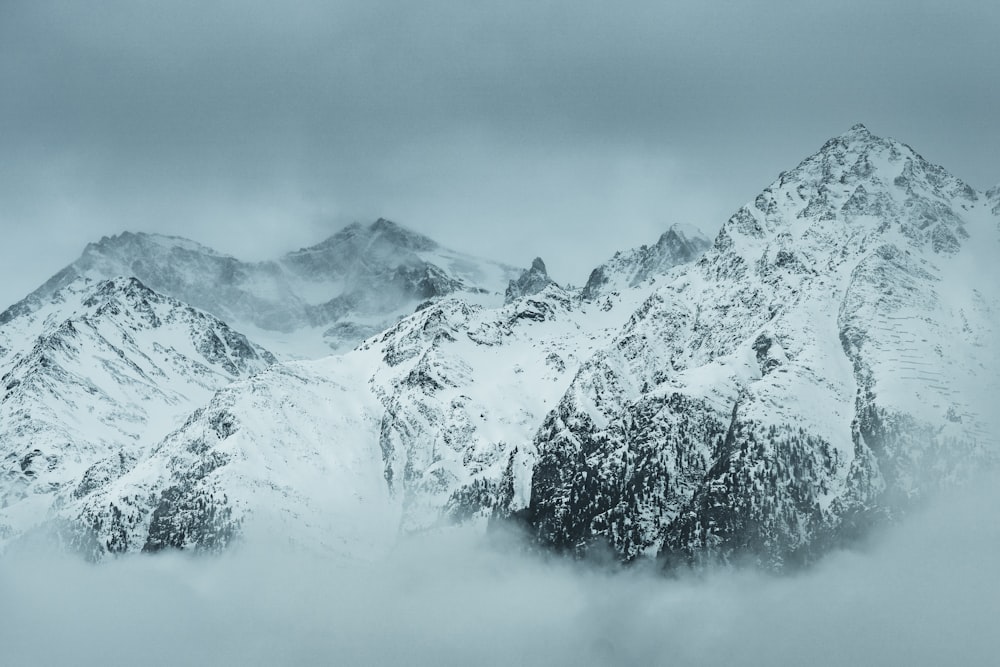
pixel 415 428
pixel 531 281
pixel 306 303
pixel 419 426
pixel 94 377
pixel 832 358
pixel 828 361
pixel 629 268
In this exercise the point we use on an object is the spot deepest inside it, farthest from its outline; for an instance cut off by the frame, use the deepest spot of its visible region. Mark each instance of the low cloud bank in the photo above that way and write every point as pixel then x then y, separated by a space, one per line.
pixel 922 593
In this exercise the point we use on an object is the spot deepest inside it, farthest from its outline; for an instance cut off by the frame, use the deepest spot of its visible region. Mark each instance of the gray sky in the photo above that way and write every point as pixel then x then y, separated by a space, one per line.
pixel 507 129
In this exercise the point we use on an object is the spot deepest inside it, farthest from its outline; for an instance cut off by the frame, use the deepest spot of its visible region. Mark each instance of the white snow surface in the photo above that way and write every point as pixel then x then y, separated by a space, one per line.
pixel 847 317
pixel 863 282
pixel 99 374
pixel 344 453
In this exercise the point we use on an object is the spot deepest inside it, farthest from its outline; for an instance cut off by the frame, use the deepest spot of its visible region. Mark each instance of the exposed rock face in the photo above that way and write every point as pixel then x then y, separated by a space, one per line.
pixel 821 366
pixel 531 281
pixel 416 427
pixel 678 245
pixel 828 360
pixel 102 371
pixel 993 194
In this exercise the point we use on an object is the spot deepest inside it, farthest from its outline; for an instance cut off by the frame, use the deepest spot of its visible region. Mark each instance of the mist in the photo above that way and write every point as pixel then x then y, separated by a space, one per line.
pixel 505 130
pixel 923 592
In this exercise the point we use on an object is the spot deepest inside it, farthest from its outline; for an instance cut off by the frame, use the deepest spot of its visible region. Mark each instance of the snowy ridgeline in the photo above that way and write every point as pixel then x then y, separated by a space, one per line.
pixel 826 362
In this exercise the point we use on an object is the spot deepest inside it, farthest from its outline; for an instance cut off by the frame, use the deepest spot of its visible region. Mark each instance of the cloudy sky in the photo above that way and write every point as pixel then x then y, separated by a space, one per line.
pixel 507 129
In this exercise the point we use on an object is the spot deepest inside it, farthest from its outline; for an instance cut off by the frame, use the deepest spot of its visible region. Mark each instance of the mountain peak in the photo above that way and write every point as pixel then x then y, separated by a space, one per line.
pixel 532 281
pixel 121 285
pixel 858 165
pixel 684 232
pixel 382 232
pixel 680 244
pixel 398 235
pixel 127 289
pixel 857 139
pixel 857 190
pixel 132 241
pixel 860 131
pixel 385 224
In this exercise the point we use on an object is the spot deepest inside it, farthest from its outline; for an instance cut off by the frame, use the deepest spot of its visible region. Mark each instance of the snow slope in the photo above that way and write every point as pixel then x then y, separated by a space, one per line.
pixel 830 358
pixel 346 451
pixel 428 423
pixel 92 379
pixel 629 268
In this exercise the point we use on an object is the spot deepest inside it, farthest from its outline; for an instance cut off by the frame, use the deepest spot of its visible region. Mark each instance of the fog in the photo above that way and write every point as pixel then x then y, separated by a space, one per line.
pixel 924 592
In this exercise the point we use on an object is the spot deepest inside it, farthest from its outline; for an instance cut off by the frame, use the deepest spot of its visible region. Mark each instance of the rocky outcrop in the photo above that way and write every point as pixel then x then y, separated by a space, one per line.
pixel 806 378
pixel 679 245
pixel 828 361
pixel 102 372
pixel 530 282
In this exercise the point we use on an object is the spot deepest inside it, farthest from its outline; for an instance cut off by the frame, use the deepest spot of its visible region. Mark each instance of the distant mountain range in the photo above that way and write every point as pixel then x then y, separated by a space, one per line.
pixel 309 302
pixel 829 359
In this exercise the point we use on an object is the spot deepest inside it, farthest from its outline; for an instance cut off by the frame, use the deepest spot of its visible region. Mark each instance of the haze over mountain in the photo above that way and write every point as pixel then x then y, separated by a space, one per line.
pixel 832 358
pixel 556 129
pixel 306 303
pixel 826 363
pixel 643 370
pixel 379 272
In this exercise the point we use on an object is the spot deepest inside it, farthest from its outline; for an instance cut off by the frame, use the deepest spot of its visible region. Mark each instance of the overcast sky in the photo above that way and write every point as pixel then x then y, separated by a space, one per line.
pixel 507 129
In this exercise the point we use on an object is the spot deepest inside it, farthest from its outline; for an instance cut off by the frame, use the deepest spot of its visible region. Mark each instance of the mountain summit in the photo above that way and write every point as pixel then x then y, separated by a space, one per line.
pixel 95 377
pixel 318 299
pixel 678 245
pixel 821 366
pixel 828 360
pixel 531 281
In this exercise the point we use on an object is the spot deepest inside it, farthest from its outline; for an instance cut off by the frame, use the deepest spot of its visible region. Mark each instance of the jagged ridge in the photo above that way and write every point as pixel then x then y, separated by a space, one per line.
pixel 338 292
pixel 821 378
pixel 103 371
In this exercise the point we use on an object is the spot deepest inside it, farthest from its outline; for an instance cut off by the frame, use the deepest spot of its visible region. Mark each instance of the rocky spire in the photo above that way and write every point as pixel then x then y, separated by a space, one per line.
pixel 532 281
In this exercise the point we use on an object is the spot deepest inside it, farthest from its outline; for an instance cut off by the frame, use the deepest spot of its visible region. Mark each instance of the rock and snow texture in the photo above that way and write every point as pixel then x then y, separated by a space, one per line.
pixel 294 447
pixel 531 281
pixel 138 477
pixel 678 245
pixel 428 423
pixel 993 196
pixel 831 358
pixel 305 304
pixel 443 405
pixel 91 379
